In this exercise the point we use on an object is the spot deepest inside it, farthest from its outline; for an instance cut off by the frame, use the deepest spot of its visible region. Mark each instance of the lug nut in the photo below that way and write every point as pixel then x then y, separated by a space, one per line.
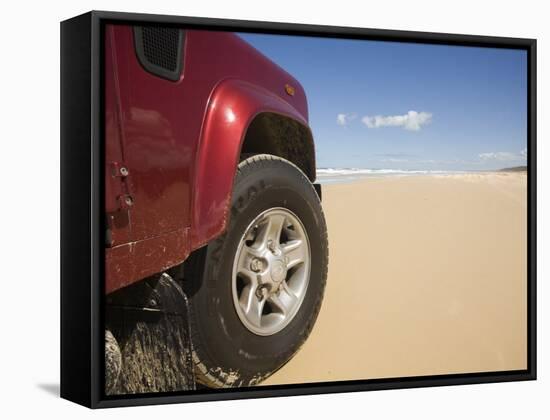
pixel 256 265
pixel 261 292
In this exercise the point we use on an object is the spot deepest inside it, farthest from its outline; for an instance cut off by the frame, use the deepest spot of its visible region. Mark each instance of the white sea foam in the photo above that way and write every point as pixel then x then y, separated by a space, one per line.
pixel 333 175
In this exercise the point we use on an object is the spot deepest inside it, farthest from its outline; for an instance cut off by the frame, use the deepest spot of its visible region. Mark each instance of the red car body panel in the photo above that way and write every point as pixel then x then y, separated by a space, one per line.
pixel 232 107
pixel 171 148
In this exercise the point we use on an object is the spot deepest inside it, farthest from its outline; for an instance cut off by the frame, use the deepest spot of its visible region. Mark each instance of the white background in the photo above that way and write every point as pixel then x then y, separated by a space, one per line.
pixel 29 152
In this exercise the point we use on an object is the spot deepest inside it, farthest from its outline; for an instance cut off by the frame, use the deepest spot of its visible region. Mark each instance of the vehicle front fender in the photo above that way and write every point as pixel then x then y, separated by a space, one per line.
pixel 232 106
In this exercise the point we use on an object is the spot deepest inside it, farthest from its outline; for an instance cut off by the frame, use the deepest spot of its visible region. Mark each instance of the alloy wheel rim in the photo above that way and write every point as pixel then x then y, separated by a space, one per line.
pixel 271 271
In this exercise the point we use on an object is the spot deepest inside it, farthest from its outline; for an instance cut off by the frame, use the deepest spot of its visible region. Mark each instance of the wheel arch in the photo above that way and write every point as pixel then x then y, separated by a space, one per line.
pixel 241 118
pixel 282 136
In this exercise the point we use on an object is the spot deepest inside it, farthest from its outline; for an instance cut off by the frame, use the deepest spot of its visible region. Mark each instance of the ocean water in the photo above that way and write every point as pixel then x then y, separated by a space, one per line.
pixel 343 175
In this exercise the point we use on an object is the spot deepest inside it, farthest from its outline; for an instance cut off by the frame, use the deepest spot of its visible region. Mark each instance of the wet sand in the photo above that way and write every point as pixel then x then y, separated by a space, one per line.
pixel 427 276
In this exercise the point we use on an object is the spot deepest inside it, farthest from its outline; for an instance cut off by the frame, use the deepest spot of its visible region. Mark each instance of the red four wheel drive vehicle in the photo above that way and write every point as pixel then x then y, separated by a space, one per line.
pixel 209 168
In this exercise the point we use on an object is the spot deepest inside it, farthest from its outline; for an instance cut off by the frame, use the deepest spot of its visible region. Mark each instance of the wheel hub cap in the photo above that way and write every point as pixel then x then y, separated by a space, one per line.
pixel 278 271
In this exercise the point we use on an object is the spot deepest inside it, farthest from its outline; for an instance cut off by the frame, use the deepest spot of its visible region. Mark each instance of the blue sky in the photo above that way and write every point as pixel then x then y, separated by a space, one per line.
pixel 391 105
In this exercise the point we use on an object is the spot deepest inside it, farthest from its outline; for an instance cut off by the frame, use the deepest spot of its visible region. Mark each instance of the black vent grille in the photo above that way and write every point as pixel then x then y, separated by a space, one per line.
pixel 160 47
pixel 159 50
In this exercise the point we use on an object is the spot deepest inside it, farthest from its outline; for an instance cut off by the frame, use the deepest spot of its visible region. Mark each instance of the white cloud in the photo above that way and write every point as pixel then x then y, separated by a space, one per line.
pixel 503 156
pixel 344 119
pixel 412 120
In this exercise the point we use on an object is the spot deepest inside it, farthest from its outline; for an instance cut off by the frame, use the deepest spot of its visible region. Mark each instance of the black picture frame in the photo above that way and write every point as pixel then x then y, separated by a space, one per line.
pixel 82 235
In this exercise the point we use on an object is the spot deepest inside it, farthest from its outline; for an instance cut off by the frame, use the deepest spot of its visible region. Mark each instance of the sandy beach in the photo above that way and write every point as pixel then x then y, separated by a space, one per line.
pixel 427 276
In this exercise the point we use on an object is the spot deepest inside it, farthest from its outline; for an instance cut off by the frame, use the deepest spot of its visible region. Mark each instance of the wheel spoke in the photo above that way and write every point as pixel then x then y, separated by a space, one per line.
pixel 271 230
pixel 248 275
pixel 254 308
pixel 280 305
pixel 248 295
pixel 295 251
pixel 284 301
pixel 252 251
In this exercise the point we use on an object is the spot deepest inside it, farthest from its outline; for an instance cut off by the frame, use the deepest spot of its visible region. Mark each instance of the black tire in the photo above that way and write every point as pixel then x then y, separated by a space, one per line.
pixel 226 353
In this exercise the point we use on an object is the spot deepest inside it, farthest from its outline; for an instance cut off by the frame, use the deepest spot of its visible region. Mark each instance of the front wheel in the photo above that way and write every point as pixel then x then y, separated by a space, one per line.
pixel 256 291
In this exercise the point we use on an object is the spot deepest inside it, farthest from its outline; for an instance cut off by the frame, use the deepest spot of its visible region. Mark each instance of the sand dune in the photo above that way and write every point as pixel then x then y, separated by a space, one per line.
pixel 427 276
